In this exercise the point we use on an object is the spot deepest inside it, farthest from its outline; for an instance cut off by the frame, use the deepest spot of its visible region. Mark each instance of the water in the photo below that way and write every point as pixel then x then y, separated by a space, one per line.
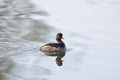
pixel 91 33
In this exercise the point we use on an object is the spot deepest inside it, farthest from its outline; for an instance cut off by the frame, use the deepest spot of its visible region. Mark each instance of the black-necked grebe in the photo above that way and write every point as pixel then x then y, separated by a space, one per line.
pixel 60 46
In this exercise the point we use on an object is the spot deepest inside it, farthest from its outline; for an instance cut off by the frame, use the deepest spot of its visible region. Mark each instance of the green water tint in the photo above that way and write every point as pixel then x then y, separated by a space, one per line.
pixel 17 32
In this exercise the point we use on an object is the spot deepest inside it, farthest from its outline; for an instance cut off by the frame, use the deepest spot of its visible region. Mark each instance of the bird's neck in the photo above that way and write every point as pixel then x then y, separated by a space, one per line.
pixel 59 41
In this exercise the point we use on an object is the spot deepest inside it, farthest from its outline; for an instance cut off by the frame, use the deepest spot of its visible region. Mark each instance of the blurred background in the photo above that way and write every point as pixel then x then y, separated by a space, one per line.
pixel 91 30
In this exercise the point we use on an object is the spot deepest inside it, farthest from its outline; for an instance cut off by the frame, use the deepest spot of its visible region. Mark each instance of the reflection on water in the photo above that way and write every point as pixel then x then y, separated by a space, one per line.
pixel 59 56
pixel 17 31
pixel 5 67
pixel 16 21
pixel 91 27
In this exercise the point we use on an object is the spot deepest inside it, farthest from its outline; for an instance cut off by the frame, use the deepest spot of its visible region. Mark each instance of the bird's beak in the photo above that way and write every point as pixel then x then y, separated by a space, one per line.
pixel 62 38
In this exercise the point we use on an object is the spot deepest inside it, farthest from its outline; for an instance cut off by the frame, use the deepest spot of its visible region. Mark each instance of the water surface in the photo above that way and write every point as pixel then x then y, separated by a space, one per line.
pixel 91 33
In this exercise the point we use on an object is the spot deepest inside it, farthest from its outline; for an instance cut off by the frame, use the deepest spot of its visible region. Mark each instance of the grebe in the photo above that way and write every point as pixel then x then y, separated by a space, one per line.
pixel 60 46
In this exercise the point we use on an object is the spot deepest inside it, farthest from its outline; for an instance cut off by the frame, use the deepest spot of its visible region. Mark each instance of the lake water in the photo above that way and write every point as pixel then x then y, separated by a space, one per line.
pixel 91 31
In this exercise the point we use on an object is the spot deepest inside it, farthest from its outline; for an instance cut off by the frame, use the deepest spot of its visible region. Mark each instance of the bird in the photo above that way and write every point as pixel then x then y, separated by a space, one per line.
pixel 52 47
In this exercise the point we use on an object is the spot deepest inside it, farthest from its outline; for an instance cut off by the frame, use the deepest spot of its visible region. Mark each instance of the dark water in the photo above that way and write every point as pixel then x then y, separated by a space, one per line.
pixel 91 33
pixel 20 39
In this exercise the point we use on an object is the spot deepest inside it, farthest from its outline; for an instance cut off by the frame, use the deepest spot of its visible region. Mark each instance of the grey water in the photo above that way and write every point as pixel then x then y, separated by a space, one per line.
pixel 91 33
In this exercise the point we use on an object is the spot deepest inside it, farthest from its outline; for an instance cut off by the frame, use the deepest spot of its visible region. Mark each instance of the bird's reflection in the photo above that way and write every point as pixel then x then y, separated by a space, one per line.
pixel 59 55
